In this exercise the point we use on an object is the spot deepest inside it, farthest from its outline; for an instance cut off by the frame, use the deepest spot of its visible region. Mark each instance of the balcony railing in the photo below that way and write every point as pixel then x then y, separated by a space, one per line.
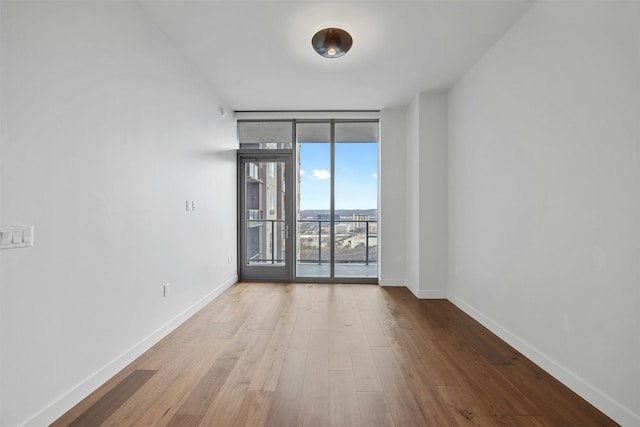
pixel 355 240
pixel 268 231
pixel 352 245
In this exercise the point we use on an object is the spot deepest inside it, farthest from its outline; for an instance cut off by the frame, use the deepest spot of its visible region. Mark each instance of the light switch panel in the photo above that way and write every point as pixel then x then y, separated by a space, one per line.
pixel 27 236
pixel 16 236
pixel 5 237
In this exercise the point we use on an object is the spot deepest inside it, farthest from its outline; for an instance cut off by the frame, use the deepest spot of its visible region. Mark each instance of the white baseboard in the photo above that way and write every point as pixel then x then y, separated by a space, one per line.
pixel 392 282
pixel 413 288
pixel 68 400
pixel 591 394
pixel 421 293
pixel 600 400
pixel 432 294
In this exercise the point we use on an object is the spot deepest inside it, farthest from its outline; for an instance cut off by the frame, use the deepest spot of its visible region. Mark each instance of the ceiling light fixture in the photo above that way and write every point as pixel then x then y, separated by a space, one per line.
pixel 332 42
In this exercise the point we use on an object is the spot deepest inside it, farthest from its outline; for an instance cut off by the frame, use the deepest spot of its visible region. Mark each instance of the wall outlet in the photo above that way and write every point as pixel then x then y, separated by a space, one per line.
pixel 165 290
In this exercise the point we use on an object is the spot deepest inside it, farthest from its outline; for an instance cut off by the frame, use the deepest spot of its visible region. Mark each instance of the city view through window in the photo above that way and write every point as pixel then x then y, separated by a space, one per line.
pixel 355 183
pixel 309 197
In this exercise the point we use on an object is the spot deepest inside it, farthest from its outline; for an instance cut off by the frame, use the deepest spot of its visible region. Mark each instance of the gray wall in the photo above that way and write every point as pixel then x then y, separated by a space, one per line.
pixel 544 196
pixel 392 198
pixel 106 132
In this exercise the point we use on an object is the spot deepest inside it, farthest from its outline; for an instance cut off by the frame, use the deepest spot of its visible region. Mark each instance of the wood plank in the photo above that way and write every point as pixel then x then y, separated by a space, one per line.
pixel 428 320
pixel 271 354
pixel 372 328
pixel 339 350
pixel 463 327
pixel 433 408
pixel 314 399
pixel 181 359
pixel 205 392
pixel 275 310
pixel 185 420
pixel 531 421
pixel 255 408
pixel 374 409
pixel 557 403
pixel 268 372
pixel 431 369
pixel 461 403
pixel 285 401
pixel 364 369
pixel 226 407
pixel 90 400
pixel 403 407
pixel 369 298
pixel 343 405
pixel 110 402
pixel 319 313
pixel 298 297
pixel 491 387
pixel 169 388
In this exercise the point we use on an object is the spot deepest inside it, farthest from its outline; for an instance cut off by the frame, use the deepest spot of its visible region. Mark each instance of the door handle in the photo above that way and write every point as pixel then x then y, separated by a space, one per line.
pixel 286 231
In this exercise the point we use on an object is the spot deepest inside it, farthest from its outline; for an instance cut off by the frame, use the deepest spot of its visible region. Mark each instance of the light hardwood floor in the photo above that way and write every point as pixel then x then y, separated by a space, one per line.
pixel 331 355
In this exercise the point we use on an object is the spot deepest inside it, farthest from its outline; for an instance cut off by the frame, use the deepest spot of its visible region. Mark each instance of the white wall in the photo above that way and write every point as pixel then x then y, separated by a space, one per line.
pixel 433 194
pixel 544 176
pixel 393 198
pixel 426 183
pixel 412 176
pixel 106 132
pixel 1 375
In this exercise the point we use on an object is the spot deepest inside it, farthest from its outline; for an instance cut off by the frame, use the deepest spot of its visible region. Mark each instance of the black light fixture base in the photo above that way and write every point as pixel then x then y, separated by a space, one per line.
pixel 332 42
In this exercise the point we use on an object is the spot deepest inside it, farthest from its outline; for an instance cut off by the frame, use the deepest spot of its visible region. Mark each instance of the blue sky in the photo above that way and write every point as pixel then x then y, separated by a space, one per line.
pixel 356 176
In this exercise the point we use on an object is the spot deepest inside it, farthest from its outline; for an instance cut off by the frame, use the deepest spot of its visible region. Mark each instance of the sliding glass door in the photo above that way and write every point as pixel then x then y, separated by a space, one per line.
pixel 308 200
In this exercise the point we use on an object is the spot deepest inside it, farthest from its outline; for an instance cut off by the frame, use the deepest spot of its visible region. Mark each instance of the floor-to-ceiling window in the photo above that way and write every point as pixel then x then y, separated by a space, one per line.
pixel 333 212
pixel 337 218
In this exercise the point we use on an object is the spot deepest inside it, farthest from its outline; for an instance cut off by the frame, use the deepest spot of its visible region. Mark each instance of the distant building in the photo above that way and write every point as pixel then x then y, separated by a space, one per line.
pixel 360 217
pixel 265 204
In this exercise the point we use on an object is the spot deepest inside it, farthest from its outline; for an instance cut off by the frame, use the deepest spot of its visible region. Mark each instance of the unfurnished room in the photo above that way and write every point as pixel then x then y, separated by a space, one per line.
pixel 308 213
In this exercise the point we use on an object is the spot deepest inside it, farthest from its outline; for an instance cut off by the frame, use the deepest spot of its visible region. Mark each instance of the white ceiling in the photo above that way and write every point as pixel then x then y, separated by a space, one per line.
pixel 257 55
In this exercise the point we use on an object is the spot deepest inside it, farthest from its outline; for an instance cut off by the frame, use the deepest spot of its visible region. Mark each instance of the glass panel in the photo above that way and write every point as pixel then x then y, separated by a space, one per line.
pixel 356 202
pixel 314 132
pixel 357 132
pixel 265 216
pixel 314 200
pixel 265 135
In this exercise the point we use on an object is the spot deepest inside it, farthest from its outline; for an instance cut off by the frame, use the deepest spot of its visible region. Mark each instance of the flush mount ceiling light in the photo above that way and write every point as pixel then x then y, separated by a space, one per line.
pixel 332 42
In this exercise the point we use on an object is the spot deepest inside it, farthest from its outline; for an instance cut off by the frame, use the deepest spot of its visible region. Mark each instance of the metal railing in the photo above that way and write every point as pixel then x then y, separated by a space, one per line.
pixel 317 225
pixel 259 256
pixel 362 229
